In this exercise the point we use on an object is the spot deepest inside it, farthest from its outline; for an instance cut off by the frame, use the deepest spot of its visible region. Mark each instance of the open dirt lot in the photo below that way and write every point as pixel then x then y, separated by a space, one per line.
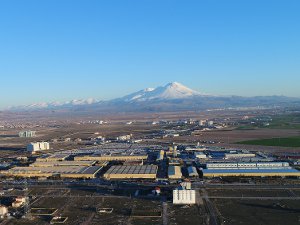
pixel 262 212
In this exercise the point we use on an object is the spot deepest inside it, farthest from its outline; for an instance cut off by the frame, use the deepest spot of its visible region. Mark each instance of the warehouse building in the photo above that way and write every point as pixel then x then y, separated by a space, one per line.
pixel 174 172
pixel 244 165
pixel 53 158
pixel 63 163
pixel 239 155
pixel 259 169
pixel 251 172
pixel 131 172
pixel 111 158
pixel 61 171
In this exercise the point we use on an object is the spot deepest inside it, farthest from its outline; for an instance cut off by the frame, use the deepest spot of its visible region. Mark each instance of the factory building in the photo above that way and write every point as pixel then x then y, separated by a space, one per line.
pixel 131 163
pixel 174 172
pixel 184 197
pixel 160 155
pixel 251 173
pixel 38 146
pixel 194 149
pixel 124 137
pixel 200 155
pixel 192 171
pixel 61 171
pixel 53 158
pixel 244 165
pixel 27 134
pixel 260 169
pixel 132 172
pixel 111 158
pixel 239 155
pixel 62 163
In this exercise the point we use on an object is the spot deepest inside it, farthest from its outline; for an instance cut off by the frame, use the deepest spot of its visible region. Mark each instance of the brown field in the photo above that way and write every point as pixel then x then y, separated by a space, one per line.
pixel 59 126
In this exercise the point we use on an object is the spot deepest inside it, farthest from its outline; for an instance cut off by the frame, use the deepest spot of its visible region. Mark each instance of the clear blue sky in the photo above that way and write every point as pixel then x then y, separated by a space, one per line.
pixel 67 49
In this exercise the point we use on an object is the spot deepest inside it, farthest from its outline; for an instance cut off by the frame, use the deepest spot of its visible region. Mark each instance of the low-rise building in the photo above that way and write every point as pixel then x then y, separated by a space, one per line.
pixel 3 211
pixel 174 172
pixel 160 155
pixel 192 171
pixel 124 137
pixel 200 155
pixel 19 201
pixel 186 185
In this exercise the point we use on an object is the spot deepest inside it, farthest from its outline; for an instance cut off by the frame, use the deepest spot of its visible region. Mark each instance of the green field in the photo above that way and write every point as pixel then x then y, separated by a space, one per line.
pixel 282 142
pixel 291 121
pixel 287 121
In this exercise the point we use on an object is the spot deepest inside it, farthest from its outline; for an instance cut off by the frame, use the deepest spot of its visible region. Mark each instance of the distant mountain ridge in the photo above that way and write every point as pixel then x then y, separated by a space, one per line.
pixel 171 97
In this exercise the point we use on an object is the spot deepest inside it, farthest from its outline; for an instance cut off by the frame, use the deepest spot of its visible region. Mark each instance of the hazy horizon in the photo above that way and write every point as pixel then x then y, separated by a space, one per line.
pixel 64 50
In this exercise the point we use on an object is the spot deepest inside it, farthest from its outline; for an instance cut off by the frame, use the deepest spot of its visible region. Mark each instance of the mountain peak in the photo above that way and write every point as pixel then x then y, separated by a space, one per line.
pixel 174 90
pixel 174 84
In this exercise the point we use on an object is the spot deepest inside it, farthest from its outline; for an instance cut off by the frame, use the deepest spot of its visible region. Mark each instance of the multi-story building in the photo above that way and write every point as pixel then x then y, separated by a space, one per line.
pixel 27 134
pixel 184 197
pixel 38 146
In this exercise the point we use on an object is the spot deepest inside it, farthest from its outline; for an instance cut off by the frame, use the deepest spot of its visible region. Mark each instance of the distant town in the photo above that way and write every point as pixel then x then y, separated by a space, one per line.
pixel 158 168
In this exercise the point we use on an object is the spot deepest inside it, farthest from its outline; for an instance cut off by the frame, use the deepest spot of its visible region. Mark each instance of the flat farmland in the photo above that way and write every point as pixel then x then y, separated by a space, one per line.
pixel 231 137
pixel 280 141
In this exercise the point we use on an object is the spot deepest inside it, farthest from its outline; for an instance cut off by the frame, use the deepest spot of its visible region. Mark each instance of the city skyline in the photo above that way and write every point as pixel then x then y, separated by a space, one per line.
pixel 64 50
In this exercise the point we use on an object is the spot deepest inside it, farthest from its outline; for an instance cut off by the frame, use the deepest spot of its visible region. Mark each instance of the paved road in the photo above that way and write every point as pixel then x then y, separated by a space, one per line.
pixel 213 218
pixel 255 197
pixel 165 213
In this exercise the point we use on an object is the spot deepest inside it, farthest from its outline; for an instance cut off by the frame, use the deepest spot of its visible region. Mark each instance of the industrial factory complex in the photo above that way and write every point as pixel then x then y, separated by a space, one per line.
pixel 164 175
pixel 171 163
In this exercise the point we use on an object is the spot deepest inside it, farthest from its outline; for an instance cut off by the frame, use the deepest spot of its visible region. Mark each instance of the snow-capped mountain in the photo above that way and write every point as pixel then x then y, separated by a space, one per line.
pixel 50 105
pixel 171 97
pixel 171 91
